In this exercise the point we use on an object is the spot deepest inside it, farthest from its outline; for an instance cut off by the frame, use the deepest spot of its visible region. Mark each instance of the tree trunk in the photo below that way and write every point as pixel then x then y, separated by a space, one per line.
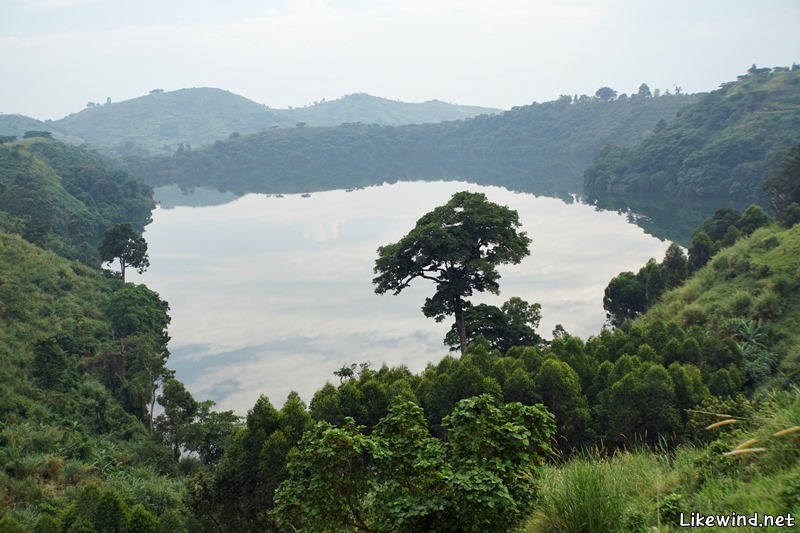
pixel 462 332
pixel 152 407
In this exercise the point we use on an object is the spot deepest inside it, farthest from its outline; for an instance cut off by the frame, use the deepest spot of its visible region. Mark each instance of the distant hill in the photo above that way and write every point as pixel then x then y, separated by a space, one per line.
pixel 541 148
pixel 164 119
pixel 18 125
pixel 161 121
pixel 725 144
pixel 367 109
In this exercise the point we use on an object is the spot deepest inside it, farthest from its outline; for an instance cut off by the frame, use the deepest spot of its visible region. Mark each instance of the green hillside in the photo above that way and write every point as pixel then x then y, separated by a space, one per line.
pixel 690 406
pixel 74 400
pixel 723 145
pixel 64 198
pixel 367 109
pixel 19 125
pixel 194 116
pixel 540 148
pixel 161 121
pixel 755 284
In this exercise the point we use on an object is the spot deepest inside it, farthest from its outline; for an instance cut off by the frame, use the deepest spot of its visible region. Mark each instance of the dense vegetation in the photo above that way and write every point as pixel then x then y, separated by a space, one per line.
pixel 80 356
pixel 540 148
pixel 688 402
pixel 723 145
pixel 63 198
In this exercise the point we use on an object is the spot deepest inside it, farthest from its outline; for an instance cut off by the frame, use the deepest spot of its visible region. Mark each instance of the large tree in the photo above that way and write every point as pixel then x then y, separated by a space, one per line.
pixel 458 246
pixel 123 243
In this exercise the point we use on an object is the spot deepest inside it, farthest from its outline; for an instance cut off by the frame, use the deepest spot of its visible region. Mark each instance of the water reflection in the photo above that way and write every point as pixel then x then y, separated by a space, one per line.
pixel 270 294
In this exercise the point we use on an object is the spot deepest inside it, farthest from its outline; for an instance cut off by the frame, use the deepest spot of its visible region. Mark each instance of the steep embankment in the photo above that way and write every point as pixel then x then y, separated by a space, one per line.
pixel 80 352
pixel 78 358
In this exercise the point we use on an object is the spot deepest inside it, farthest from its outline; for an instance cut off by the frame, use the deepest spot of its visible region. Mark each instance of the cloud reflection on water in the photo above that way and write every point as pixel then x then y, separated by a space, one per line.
pixel 270 295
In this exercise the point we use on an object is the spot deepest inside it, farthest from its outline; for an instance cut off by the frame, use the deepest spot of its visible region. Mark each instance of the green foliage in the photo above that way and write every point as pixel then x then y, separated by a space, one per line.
pixel 513 324
pixel 70 384
pixel 783 187
pixel 458 246
pixel 180 409
pixel 123 243
pixel 641 406
pixel 135 309
pixel 722 145
pixel 239 492
pixel 141 521
pixel 650 488
pixel 584 496
pixel 560 391
pixel 63 198
pixel 210 434
pixel 540 148
pixel 700 252
pixel 49 364
pixel 400 478
pixel 624 298
pixel 110 513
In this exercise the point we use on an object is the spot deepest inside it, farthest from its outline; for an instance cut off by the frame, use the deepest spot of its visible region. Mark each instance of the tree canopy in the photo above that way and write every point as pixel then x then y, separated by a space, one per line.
pixel 458 246
pixel 123 243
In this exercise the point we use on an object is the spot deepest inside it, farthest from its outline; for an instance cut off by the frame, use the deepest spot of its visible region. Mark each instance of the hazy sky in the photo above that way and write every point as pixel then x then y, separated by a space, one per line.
pixel 57 55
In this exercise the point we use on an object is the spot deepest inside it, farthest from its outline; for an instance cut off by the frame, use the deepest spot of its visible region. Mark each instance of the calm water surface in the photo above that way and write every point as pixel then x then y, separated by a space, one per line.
pixel 270 295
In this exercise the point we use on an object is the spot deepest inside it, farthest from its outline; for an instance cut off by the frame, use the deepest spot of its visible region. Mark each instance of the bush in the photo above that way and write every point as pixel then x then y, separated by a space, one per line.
pixel 742 302
pixel 767 306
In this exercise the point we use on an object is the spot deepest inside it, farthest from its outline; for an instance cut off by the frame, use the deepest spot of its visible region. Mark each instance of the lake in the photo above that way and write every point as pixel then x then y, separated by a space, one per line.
pixel 270 295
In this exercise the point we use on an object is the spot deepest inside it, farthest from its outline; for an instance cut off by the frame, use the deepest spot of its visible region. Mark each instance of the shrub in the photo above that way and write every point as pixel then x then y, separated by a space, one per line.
pixel 767 305
pixel 742 302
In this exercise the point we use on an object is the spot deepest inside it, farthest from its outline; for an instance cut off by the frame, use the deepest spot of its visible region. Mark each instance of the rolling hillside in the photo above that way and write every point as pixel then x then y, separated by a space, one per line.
pixel 161 121
pixel 724 145
pixel 63 198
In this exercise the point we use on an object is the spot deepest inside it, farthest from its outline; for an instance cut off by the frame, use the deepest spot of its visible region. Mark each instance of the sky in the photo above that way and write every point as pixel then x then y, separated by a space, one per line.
pixel 57 55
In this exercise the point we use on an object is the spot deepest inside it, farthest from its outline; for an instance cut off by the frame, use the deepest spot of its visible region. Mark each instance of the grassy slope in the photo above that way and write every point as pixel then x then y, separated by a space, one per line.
pixel 53 442
pixel 647 490
pixel 757 279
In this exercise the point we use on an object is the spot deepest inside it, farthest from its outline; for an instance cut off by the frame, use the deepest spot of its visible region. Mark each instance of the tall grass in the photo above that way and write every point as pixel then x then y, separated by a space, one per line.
pixel 584 496
pixel 648 489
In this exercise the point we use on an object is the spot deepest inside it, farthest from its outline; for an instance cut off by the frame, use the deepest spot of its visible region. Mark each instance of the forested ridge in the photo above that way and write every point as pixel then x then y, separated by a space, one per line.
pixel 723 145
pixel 540 148
pixel 687 401
pixel 63 197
